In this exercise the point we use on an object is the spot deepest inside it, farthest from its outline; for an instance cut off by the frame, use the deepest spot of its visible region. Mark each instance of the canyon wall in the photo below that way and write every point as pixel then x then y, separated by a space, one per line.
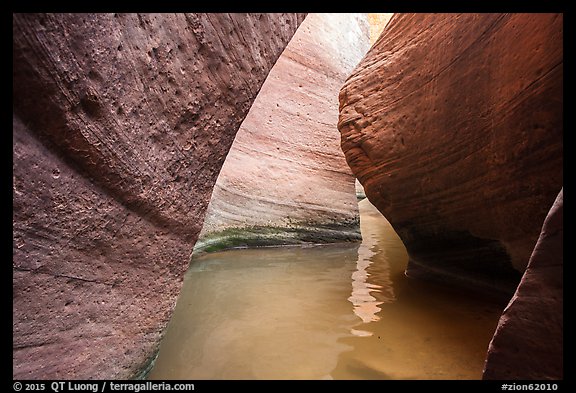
pixel 285 180
pixel 528 341
pixel 377 23
pixel 453 125
pixel 121 123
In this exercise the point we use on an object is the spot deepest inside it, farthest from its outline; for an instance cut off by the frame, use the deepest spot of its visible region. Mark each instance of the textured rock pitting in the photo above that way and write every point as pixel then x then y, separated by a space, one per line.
pixel 121 125
pixel 453 125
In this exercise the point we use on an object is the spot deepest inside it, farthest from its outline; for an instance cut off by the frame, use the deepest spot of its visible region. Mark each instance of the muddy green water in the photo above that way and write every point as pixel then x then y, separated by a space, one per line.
pixel 326 312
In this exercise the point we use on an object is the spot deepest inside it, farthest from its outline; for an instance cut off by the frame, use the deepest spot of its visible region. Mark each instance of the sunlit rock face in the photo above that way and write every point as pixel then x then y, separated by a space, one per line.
pixel 377 23
pixel 285 180
pixel 453 125
pixel 121 125
pixel 528 341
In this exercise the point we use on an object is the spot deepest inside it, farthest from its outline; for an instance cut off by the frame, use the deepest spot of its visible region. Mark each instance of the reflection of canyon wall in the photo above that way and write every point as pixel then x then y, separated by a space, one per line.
pixel 453 124
pixel 285 179
pixel 248 315
pixel 528 341
pixel 121 124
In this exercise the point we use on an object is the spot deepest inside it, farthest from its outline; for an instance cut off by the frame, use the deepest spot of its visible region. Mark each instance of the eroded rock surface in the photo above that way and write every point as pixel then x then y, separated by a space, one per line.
pixel 285 180
pixel 121 125
pixel 453 125
pixel 528 342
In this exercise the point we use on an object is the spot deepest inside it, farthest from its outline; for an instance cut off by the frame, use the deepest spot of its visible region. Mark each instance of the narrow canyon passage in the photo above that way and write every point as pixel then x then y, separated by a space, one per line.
pixel 186 186
pixel 340 311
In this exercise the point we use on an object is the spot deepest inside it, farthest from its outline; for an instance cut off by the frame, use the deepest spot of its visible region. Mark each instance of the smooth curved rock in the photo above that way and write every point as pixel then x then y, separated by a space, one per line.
pixel 453 125
pixel 285 179
pixel 121 124
pixel 528 342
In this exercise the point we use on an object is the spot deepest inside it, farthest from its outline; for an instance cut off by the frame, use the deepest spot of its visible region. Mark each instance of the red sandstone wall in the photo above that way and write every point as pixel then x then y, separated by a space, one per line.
pixel 121 124
pixel 453 125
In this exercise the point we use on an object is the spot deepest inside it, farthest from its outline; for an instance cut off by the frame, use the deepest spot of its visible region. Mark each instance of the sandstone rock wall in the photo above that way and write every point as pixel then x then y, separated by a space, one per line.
pixel 377 24
pixel 121 124
pixel 528 342
pixel 453 125
pixel 285 180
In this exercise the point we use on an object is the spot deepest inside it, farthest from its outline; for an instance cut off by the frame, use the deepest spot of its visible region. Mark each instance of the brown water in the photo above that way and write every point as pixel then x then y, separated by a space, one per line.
pixel 325 312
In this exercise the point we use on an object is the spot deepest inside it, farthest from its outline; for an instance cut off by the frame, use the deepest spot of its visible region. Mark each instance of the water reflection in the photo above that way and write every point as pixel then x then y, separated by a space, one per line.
pixel 295 313
pixel 261 314
pixel 423 331
pixel 366 305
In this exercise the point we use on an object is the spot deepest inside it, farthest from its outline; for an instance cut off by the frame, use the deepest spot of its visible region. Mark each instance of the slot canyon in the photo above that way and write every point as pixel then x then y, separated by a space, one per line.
pixel 287 196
